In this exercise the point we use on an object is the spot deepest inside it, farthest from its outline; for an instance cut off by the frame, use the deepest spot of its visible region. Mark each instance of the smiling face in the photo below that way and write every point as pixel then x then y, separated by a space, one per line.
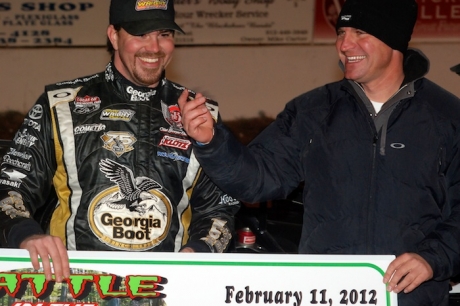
pixel 367 59
pixel 142 59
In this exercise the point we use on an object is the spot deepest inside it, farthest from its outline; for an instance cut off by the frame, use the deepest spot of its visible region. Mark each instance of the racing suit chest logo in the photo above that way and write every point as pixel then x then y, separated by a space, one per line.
pixel 118 142
pixel 138 95
pixel 87 104
pixel 134 215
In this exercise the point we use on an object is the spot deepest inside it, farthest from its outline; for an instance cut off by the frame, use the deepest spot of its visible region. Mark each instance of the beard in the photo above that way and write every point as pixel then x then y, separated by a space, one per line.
pixel 147 77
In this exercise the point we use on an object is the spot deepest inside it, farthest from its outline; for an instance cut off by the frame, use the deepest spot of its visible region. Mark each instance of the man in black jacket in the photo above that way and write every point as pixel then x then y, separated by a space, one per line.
pixel 378 153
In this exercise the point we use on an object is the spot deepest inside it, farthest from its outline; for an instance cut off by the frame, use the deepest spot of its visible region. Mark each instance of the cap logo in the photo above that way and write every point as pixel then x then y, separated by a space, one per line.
pixel 143 5
pixel 345 17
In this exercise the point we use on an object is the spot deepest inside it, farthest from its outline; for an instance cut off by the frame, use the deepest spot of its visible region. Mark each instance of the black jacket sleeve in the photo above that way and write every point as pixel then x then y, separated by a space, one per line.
pixel 26 176
pixel 441 247
pixel 212 220
pixel 268 168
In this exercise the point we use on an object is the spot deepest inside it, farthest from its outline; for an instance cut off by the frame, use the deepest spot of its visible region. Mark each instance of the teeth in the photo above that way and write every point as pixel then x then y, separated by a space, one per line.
pixel 149 60
pixel 355 58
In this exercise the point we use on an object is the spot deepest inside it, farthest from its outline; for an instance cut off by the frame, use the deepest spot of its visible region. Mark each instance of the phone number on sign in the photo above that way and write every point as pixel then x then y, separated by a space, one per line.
pixel 34 37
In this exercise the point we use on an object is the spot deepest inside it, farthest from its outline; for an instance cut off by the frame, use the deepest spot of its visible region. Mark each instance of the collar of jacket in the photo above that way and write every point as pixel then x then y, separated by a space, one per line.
pixel 382 118
pixel 128 90
pixel 415 66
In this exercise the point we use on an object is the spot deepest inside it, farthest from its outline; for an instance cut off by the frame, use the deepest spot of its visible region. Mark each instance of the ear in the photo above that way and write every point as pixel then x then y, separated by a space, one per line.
pixel 112 34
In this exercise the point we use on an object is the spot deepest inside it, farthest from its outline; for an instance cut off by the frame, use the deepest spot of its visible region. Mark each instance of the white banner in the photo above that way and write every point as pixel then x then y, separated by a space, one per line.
pixel 179 279
pixel 206 22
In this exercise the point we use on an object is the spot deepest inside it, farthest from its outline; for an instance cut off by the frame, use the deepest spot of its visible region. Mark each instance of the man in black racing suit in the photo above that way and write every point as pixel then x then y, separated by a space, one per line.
pixel 112 147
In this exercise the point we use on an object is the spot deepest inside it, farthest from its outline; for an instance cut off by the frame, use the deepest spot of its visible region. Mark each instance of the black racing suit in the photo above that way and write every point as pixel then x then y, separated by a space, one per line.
pixel 122 168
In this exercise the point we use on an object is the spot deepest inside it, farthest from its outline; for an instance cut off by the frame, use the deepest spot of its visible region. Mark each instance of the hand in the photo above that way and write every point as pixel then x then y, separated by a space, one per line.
pixel 187 250
pixel 48 247
pixel 196 118
pixel 407 272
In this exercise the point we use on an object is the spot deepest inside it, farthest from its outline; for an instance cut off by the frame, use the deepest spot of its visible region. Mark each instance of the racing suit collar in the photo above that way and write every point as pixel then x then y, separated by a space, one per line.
pixel 128 90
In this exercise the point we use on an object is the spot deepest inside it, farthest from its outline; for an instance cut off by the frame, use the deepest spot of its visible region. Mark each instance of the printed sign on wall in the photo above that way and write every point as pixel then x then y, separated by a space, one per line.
pixel 245 21
pixel 53 23
pixel 438 21
pixel 206 22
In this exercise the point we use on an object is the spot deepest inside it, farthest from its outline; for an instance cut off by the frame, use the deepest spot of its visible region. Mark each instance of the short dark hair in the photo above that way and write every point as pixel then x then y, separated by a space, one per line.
pixel 110 48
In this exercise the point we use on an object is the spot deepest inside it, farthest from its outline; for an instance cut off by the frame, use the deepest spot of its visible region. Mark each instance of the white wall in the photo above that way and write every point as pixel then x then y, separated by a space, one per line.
pixel 245 80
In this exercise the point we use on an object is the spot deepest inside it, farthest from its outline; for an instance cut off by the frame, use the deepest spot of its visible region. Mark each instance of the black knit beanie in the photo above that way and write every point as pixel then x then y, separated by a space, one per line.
pixel 391 21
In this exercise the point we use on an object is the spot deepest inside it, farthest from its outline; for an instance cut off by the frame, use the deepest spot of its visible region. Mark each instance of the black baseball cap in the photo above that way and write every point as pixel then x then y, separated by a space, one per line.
pixel 138 17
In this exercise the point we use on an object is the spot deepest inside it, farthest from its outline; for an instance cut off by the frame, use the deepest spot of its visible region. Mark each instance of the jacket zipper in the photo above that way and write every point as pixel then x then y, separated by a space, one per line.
pixel 371 204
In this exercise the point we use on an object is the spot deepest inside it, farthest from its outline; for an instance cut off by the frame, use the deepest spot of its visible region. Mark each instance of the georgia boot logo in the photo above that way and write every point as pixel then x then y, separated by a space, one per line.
pixel 133 215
